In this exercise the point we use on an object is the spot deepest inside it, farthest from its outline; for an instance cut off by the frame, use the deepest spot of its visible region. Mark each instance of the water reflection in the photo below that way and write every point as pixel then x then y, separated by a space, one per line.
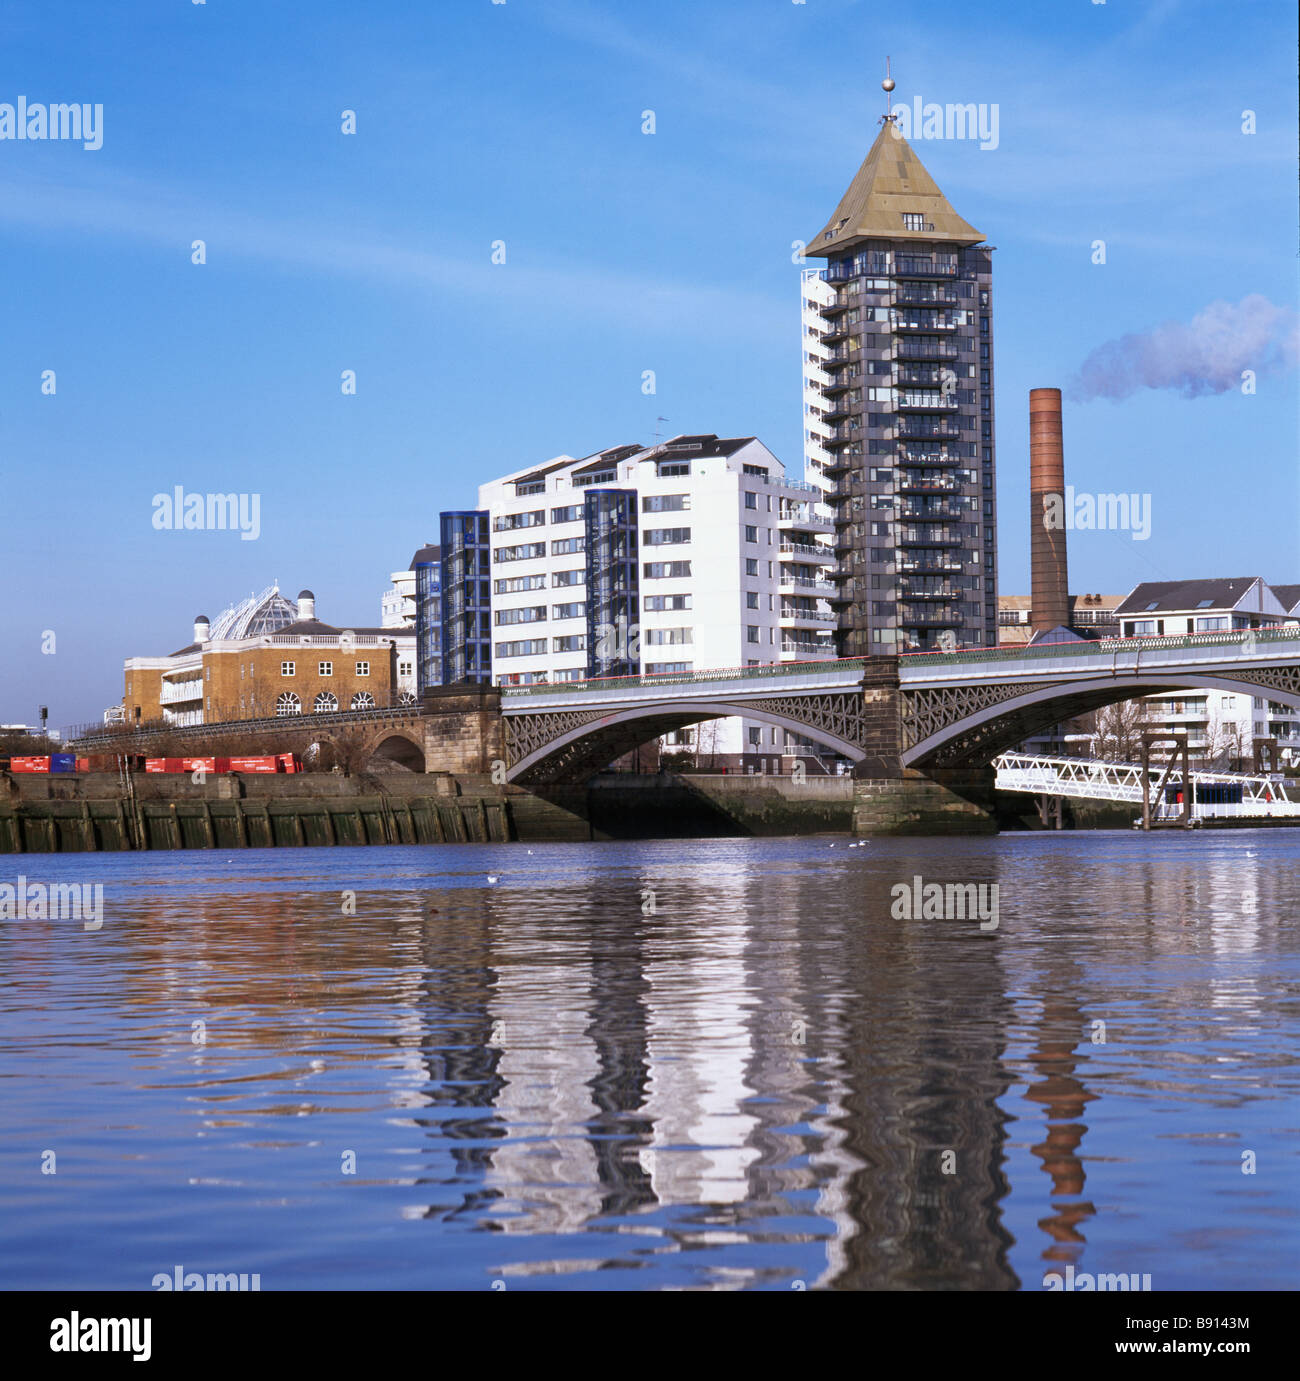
pixel 714 1064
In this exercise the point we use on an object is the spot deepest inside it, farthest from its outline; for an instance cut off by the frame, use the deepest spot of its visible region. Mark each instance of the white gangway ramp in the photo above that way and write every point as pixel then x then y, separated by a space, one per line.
pixel 1215 793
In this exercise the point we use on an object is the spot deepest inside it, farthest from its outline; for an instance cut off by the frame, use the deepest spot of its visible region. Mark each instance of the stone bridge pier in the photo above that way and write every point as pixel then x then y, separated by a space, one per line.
pixel 462 729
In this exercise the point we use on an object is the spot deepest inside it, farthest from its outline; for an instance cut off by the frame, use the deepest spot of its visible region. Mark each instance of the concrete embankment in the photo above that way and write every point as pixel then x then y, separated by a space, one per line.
pixel 55 814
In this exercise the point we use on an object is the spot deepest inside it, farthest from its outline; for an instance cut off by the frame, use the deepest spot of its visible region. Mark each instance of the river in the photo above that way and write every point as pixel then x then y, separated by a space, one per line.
pixel 719 1064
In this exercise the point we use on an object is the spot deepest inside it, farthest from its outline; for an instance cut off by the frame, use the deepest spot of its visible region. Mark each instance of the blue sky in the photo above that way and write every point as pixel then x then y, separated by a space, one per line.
pixel 624 252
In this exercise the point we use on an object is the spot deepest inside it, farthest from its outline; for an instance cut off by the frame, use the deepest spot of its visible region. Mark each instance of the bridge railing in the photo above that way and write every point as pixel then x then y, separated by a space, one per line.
pixel 1102 647
pixel 768 672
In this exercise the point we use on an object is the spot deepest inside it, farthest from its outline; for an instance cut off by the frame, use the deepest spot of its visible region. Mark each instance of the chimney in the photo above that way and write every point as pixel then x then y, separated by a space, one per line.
pixel 201 628
pixel 1049 578
pixel 306 604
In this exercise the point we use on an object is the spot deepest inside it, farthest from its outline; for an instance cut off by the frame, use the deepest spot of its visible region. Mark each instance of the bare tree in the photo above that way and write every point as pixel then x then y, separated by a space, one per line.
pixel 1117 736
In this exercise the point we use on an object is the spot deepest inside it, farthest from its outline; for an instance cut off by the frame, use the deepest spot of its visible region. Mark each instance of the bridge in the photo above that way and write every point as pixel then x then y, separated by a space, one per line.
pixel 925 711
pixel 921 730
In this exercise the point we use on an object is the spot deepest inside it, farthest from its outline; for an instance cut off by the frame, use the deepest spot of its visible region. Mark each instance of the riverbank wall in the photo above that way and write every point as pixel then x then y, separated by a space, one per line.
pixel 93 812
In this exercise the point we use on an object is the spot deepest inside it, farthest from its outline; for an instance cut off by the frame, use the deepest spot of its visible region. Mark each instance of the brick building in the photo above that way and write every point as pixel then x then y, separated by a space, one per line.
pixel 269 656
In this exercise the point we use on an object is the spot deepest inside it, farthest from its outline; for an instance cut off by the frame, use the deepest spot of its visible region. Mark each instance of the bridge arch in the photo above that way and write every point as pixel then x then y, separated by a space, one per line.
pixel 976 739
pixel 396 748
pixel 594 739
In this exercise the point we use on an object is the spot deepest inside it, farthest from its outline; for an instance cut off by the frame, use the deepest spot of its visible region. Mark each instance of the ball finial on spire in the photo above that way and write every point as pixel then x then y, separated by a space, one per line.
pixel 887 84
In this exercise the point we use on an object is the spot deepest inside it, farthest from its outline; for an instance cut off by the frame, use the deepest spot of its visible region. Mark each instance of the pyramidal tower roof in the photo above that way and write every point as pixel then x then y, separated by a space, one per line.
pixel 891 183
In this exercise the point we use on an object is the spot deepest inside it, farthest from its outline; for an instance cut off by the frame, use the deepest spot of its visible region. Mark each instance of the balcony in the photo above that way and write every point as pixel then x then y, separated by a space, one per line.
pixel 932 510
pixel 796 584
pixel 842 435
pixel 911 617
pixel 919 376
pixel 919 482
pixel 809 651
pixel 804 523
pixel 917 294
pixel 836 327
pixel 940 539
pixel 841 381
pixel 908 347
pixel 939 566
pixel 918 319
pixel 840 355
pixel 906 456
pixel 805 552
pixel 905 266
pixel 838 406
pixel 791 614
pixel 910 590
pixel 918 429
pixel 928 402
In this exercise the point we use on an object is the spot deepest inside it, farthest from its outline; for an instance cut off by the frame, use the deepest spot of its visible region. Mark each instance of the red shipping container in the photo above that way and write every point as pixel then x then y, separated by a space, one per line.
pixel 207 764
pixel 254 765
pixel 29 764
pixel 289 762
pixel 155 764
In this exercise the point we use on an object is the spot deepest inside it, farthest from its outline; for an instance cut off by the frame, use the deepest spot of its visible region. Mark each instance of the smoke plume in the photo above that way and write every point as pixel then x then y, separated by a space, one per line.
pixel 1206 355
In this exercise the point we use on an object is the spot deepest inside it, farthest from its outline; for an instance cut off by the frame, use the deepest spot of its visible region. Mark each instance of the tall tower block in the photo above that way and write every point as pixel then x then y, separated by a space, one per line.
pixel 898 409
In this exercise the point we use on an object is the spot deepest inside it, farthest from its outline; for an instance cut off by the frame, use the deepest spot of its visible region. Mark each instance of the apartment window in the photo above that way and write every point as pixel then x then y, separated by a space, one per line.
pixel 759 470
pixel 324 668
pixel 524 487
pixel 755 737
pixel 571 642
pixel 751 633
pixel 508 522
pixel 659 603
pixel 526 551
pixel 569 611
pixel 568 546
pixel 751 599
pixel 527 647
pixel 665 503
pixel 534 613
pixel 668 668
pixel 363 668
pixel 751 565
pixel 287 703
pixel 572 674
pixel 751 533
pixel 602 477
pixel 559 578
pixel 325 703
pixel 571 514
pixel 666 536
pixel 288 668
pixel 405 668
pixel 515 583
pixel 660 637
pixel 666 570
pixel 751 499
pixel 669 468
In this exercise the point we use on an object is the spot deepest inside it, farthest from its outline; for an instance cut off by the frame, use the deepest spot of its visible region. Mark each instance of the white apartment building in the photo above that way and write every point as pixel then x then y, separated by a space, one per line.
pixel 728 571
